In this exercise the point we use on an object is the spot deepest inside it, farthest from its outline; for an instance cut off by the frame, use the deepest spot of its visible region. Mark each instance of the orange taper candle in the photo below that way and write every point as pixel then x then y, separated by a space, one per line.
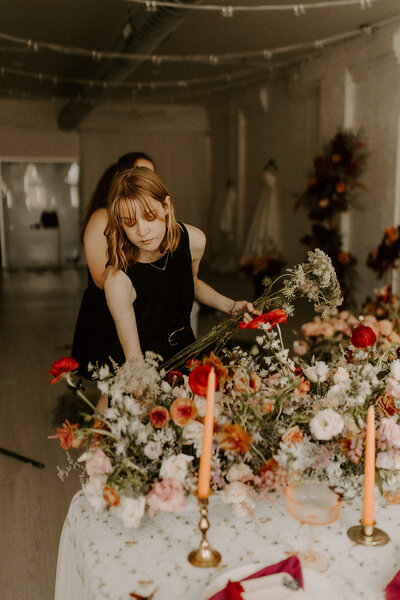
pixel 369 470
pixel 203 489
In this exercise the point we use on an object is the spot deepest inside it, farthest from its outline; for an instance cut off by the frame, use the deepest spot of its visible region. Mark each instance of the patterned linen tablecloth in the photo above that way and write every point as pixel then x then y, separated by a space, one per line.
pixel 100 559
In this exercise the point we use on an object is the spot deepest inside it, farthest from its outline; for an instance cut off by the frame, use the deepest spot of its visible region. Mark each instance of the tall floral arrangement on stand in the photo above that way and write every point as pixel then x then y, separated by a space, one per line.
pixel 332 187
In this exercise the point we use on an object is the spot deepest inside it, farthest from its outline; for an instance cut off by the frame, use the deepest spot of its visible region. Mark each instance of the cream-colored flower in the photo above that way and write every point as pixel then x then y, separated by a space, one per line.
pixel 326 424
pixel 175 467
pixel 130 511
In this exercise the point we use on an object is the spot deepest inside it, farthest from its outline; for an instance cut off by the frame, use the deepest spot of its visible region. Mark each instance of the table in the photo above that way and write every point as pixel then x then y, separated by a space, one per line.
pixel 100 559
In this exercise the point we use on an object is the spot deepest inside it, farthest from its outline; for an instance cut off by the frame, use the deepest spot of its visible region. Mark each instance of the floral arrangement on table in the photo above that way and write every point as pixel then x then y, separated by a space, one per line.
pixel 386 255
pixel 327 339
pixel 331 189
pixel 275 418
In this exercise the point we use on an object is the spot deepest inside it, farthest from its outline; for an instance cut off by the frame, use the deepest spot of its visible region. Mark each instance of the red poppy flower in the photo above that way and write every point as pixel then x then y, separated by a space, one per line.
pixel 64 365
pixel 198 380
pixel 273 317
pixel 363 336
pixel 175 378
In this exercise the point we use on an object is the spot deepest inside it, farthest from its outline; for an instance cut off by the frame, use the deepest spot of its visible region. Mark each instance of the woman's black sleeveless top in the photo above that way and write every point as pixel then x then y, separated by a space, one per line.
pixel 164 299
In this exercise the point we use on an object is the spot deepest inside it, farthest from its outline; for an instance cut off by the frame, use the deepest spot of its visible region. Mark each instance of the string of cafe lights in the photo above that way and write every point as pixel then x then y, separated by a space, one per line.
pixel 229 11
pixel 214 59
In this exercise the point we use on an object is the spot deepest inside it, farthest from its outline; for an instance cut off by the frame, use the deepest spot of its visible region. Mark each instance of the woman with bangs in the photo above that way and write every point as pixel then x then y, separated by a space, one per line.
pixel 152 277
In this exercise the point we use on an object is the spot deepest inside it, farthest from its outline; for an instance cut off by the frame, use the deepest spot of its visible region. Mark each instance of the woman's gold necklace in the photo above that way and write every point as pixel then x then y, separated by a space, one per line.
pixel 160 268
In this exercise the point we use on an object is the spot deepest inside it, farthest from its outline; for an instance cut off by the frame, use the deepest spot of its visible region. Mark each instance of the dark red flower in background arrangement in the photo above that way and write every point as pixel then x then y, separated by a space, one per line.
pixel 363 336
pixel 198 380
pixel 273 317
pixel 174 378
pixel 64 365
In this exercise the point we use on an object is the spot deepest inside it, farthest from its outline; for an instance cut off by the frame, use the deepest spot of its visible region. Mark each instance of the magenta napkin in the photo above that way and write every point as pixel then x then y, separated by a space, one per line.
pixel 290 565
pixel 392 590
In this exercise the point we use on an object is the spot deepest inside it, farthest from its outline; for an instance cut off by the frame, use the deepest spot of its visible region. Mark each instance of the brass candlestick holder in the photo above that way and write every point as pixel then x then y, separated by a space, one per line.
pixel 368 535
pixel 204 556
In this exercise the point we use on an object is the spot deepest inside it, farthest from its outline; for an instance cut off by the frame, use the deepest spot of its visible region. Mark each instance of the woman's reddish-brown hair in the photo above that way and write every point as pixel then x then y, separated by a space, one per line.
pixel 131 190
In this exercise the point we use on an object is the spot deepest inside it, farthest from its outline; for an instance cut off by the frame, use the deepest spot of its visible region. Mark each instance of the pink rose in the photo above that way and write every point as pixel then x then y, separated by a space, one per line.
pixel 389 433
pixel 98 464
pixel 393 387
pixel 167 495
pixel 385 327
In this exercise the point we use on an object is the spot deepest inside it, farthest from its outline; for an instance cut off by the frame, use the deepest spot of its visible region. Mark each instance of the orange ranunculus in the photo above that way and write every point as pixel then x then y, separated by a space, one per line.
pixel 391 233
pixel 110 495
pixel 198 380
pixel 268 407
pixel 182 411
pixel 234 438
pixel 271 465
pixel 64 365
pixel 344 258
pixel 336 158
pixel 66 435
pixel 340 187
pixel 273 317
pixel 220 371
pixel 302 388
pixel 363 336
pixel 159 417
pixel 254 381
pixel 293 436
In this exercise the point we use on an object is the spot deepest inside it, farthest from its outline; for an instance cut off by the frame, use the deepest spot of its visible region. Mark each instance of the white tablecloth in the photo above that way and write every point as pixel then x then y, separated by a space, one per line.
pixel 100 559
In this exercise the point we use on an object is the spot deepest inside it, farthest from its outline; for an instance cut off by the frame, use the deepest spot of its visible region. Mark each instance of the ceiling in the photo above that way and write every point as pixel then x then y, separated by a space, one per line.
pixel 30 69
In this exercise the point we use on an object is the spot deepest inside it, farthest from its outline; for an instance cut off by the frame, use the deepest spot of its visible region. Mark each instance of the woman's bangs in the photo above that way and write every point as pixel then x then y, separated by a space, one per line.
pixel 125 211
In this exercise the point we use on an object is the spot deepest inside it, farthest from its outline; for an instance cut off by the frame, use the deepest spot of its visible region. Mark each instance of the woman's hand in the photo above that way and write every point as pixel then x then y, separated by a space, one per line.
pixel 239 305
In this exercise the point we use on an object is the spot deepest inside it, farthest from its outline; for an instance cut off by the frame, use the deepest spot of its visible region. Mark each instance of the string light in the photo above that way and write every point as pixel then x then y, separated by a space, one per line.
pixel 297 8
pixel 223 58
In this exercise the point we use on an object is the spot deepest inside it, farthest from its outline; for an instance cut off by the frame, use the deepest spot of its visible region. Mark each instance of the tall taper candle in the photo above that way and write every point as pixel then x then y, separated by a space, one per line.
pixel 369 470
pixel 203 489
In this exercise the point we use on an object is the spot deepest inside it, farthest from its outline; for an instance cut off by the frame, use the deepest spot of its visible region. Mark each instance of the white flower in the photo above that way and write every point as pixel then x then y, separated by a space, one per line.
pixel 132 406
pixel 193 432
pixel 388 460
pixel 318 372
pixel 93 490
pixel 234 493
pixel 326 424
pixel 103 387
pixel 130 510
pixel 104 372
pixel 175 467
pixel 393 387
pixel 395 369
pixel 152 450
pixel 240 472
pixel 335 396
pixel 300 347
pixel 342 377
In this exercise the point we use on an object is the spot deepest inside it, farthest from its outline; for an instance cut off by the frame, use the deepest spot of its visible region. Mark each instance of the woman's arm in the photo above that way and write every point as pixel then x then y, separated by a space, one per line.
pixel 95 245
pixel 120 295
pixel 202 291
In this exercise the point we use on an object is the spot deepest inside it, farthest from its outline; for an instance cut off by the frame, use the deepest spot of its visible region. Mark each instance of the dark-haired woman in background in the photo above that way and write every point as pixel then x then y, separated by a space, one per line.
pixel 95 331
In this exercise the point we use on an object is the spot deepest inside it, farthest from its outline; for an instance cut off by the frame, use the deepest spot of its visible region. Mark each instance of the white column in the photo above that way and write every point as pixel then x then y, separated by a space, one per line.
pixel 348 123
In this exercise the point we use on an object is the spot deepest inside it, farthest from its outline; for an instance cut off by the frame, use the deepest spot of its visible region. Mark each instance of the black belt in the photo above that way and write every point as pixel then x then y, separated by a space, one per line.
pixel 173 339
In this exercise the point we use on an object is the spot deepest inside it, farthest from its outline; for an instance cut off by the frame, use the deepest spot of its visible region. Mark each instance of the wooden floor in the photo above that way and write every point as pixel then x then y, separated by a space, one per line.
pixel 37 316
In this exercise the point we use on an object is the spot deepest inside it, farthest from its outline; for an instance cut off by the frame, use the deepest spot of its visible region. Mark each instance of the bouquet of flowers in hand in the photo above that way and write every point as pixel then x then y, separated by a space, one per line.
pixel 143 453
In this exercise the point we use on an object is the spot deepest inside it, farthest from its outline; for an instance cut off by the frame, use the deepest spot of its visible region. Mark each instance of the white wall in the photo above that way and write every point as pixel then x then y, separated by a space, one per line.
pixel 177 138
pixel 306 105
